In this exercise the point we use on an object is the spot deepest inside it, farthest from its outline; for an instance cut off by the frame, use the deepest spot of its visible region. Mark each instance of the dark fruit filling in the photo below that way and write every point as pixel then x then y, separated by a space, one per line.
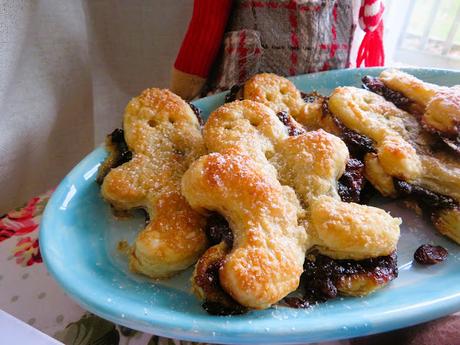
pixel 311 97
pixel 451 143
pixel 430 255
pixel 146 216
pixel 427 200
pixel 119 153
pixel 445 142
pixel 322 274
pixel 218 230
pixel 377 86
pixel 368 192
pixel 210 280
pixel 216 308
pixel 233 93
pixel 351 182
pixel 288 121
pixel 117 137
pixel 357 144
pixel 217 301
pixel 197 112
pixel 296 302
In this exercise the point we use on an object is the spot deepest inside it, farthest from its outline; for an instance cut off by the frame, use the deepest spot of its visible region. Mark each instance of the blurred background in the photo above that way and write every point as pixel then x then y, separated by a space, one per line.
pixel 422 33
pixel 68 68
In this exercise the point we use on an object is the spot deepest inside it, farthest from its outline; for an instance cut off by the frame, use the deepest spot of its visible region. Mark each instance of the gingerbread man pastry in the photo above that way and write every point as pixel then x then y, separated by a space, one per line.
pixel 163 134
pixel 397 130
pixel 249 140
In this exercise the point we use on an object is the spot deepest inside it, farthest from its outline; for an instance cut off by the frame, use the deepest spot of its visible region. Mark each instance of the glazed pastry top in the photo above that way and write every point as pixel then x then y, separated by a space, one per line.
pixel 269 246
pixel 280 94
pixel 309 163
pixel 352 231
pixel 371 115
pixel 403 149
pixel 440 105
pixel 164 136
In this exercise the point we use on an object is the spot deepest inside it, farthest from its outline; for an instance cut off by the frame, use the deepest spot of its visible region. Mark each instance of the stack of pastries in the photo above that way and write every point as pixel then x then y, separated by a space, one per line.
pixel 267 197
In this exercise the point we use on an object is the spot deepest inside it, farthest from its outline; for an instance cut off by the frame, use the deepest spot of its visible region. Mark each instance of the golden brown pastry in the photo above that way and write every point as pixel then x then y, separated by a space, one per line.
pixel 447 221
pixel 440 105
pixel 370 115
pixel 267 257
pixel 402 147
pixel 163 134
pixel 281 95
pixel 274 183
pixel 377 176
pixel 404 162
pixel 247 126
pixel 276 92
pixel 352 231
pixel 310 163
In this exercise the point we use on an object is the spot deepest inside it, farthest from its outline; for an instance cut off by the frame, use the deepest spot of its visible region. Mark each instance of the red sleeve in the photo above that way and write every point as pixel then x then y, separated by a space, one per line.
pixel 204 36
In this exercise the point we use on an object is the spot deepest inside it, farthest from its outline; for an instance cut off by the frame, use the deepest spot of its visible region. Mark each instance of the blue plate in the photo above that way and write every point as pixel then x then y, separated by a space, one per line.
pixel 79 236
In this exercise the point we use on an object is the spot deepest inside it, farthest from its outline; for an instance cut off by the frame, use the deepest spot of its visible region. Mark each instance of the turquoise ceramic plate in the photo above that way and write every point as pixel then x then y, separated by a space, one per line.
pixel 79 235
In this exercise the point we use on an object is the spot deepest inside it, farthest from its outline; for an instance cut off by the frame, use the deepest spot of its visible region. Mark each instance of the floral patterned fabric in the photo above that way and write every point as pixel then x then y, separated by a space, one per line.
pixel 22 224
pixel 29 293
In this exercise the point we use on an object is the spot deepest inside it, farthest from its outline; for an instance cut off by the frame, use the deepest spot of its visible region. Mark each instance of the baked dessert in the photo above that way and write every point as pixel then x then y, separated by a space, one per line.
pixel 406 161
pixel 340 231
pixel 281 95
pixel 437 109
pixel 439 105
pixel 309 163
pixel 162 134
pixel 252 200
pixel 274 205
pixel 407 139
pixel 308 110
pixel 265 262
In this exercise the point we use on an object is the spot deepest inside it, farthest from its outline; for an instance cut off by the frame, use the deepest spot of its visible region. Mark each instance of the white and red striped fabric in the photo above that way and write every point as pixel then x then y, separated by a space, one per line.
pixel 371 51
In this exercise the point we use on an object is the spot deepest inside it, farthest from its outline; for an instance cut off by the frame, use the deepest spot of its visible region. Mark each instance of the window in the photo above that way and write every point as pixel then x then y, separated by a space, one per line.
pixel 422 33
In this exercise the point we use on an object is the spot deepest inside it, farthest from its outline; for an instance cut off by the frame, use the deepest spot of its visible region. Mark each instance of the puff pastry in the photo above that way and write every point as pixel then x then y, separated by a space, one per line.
pixel 440 105
pixel 163 134
pixel 403 151
pixel 281 95
pixel 352 231
pixel 248 127
pixel 447 221
pixel 310 163
pixel 274 181
pixel 267 257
